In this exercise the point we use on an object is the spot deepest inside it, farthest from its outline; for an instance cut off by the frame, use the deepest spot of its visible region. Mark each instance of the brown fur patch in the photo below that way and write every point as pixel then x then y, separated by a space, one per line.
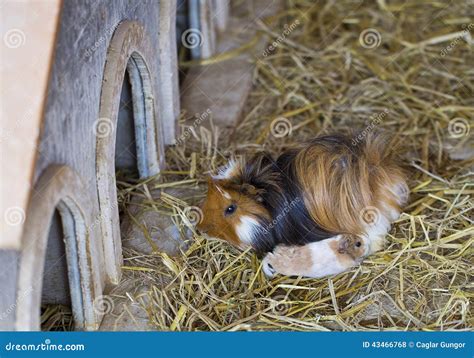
pixel 344 258
pixel 339 181
pixel 215 222
pixel 353 246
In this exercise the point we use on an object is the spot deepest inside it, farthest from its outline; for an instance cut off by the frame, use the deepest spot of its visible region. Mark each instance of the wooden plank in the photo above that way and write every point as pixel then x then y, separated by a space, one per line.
pixel 8 293
pixel 28 30
pixel 169 86
pixel 221 14
pixel 200 38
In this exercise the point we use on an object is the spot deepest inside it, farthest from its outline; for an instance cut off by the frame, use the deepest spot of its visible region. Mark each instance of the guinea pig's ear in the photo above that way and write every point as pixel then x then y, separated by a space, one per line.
pixel 211 185
pixel 251 190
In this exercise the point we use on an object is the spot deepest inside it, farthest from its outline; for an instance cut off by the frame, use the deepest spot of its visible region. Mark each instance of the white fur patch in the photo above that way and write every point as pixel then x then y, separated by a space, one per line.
pixel 375 233
pixel 247 229
pixel 227 171
pixel 324 260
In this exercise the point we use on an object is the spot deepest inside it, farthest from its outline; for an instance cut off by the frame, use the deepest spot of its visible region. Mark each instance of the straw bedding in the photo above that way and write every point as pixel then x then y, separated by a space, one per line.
pixel 413 80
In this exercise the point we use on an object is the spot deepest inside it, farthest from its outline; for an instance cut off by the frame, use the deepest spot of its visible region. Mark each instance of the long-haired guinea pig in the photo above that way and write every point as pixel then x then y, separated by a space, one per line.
pixel 320 189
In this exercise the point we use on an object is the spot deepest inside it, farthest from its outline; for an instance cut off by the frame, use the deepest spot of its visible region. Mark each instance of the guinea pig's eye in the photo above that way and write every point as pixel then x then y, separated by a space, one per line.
pixel 358 244
pixel 230 209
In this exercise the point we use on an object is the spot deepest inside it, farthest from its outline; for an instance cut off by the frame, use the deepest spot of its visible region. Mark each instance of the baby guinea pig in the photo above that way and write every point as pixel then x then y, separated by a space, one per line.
pixel 317 259
pixel 315 191
pixel 353 246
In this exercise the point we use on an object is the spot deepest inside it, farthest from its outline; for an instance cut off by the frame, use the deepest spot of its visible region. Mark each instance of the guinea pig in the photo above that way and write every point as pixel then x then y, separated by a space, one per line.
pixel 354 246
pixel 317 259
pixel 318 190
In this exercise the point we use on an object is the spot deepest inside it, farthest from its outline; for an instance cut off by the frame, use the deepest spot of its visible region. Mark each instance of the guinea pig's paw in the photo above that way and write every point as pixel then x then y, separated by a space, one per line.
pixel 267 267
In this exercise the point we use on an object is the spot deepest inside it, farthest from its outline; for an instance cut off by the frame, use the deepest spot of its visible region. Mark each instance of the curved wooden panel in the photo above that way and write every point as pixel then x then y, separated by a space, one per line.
pixel 59 187
pixel 129 49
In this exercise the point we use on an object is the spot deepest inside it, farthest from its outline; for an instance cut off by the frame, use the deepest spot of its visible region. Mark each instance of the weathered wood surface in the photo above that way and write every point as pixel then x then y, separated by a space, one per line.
pixel 222 88
pixel 130 49
pixel 69 137
pixel 169 89
pixel 26 50
pixel 221 14
pixel 8 293
pixel 60 188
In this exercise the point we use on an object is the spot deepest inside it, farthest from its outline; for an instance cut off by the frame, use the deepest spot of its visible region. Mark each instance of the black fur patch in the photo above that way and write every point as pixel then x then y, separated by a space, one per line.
pixel 277 188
